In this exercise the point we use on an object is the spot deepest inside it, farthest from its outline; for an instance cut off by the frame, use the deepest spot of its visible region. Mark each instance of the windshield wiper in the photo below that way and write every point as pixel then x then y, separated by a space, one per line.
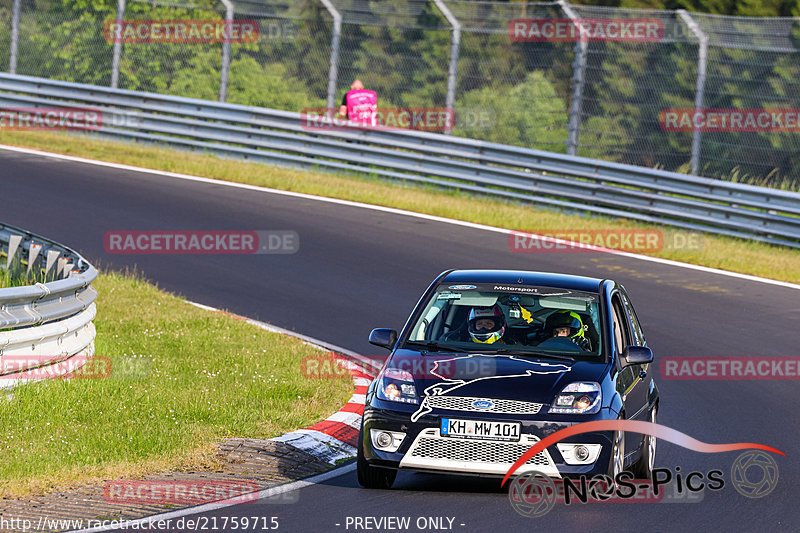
pixel 435 346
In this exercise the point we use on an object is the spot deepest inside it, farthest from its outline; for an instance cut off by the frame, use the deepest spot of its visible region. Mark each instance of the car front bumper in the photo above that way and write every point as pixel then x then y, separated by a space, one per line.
pixel 424 449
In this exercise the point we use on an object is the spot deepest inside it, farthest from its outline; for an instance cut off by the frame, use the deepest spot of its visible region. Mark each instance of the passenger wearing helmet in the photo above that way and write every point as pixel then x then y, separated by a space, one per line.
pixel 487 325
pixel 567 325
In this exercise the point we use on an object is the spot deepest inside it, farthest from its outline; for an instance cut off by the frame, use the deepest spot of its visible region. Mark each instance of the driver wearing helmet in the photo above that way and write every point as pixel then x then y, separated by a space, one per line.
pixel 567 325
pixel 487 325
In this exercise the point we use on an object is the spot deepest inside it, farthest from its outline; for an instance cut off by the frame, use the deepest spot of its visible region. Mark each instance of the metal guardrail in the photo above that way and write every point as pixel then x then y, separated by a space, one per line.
pixel 541 178
pixel 50 321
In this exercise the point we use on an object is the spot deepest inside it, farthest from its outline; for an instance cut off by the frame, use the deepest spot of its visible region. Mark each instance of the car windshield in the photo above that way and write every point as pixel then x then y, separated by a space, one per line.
pixel 520 319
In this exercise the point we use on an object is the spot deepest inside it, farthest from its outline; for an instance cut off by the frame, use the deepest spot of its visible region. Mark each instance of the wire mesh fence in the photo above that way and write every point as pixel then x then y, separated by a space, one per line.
pixel 714 95
pixel 753 64
pixel 522 90
pixel 54 41
pixel 5 32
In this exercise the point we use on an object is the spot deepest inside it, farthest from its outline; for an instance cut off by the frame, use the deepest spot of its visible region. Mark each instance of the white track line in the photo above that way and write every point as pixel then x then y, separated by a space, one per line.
pixel 276 329
pixel 393 211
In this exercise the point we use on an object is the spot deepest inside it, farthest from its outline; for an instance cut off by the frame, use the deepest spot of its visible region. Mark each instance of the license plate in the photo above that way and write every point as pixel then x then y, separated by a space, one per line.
pixel 479 429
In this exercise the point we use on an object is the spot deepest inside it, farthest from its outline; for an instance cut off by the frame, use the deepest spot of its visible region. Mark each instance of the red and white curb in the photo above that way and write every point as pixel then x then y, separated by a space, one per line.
pixel 335 438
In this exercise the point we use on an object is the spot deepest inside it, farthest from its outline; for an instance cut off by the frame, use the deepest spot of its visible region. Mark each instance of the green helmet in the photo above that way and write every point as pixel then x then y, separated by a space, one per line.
pixel 565 319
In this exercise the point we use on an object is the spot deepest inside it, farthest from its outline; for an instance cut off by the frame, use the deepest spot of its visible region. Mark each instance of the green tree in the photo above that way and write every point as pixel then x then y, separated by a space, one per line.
pixel 266 86
pixel 529 114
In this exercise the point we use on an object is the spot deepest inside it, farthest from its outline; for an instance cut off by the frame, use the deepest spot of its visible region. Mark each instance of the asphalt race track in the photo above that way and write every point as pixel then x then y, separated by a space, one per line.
pixel 360 268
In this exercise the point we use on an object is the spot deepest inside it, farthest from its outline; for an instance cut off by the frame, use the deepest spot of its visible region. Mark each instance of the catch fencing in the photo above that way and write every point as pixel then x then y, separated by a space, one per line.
pixel 598 98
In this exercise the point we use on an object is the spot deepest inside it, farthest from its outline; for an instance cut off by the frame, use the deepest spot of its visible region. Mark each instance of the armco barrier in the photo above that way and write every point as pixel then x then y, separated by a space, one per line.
pixel 50 321
pixel 548 179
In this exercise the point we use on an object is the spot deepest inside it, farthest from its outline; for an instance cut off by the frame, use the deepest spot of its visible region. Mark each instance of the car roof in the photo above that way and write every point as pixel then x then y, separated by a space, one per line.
pixel 524 277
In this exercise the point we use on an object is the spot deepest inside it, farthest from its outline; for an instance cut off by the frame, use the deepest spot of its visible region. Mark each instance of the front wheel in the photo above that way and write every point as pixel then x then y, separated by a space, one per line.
pixel 372 477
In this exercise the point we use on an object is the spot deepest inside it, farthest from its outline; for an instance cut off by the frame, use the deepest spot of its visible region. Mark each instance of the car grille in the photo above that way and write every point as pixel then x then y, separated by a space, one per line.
pixel 474 451
pixel 464 403
pixel 430 451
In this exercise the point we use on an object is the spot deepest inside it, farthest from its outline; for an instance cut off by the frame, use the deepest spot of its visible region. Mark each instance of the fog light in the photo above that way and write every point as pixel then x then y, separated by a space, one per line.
pixel 384 440
pixel 581 453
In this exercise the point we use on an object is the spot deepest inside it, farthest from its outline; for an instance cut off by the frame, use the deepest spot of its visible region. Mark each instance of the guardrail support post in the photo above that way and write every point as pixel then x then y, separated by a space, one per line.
pixel 61 266
pixel 699 96
pixel 14 45
pixel 226 51
pixel 333 71
pixel 52 257
pixel 117 47
pixel 33 253
pixel 452 71
pixel 13 244
pixel 578 80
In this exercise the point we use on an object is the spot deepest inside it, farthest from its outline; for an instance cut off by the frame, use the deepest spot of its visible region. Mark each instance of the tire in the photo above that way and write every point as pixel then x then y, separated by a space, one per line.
pixel 616 463
pixel 643 468
pixel 372 477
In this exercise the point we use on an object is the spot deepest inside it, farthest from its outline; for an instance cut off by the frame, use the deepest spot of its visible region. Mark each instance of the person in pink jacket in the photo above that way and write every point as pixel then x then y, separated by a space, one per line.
pixel 359 105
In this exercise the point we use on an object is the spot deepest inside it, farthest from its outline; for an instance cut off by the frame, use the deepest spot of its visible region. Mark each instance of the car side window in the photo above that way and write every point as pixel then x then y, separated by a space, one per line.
pixel 637 328
pixel 617 330
pixel 622 337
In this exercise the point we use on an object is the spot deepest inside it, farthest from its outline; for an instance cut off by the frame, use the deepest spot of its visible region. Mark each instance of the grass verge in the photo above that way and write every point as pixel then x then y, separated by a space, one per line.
pixel 181 380
pixel 731 254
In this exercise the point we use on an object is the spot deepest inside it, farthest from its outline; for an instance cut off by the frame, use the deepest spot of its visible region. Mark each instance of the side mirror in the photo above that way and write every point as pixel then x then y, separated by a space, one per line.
pixel 383 337
pixel 637 355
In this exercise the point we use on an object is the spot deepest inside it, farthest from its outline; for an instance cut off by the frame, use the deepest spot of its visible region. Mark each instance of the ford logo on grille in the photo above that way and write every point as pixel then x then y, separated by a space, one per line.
pixel 482 404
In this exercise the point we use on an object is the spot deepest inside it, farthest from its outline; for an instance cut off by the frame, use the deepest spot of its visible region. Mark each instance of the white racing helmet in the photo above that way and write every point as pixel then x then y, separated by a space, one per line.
pixel 483 335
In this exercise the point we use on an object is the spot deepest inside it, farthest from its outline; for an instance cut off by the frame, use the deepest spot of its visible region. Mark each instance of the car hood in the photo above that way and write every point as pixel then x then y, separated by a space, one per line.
pixel 512 377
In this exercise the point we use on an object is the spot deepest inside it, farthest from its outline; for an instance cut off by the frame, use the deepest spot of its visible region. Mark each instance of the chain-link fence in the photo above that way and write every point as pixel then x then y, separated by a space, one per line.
pixel 669 99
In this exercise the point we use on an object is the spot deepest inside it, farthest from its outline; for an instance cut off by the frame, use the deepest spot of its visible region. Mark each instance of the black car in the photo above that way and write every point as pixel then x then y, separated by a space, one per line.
pixel 492 361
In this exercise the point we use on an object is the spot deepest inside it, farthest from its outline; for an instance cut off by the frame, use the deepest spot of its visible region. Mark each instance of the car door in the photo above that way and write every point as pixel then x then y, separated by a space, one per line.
pixel 643 371
pixel 630 383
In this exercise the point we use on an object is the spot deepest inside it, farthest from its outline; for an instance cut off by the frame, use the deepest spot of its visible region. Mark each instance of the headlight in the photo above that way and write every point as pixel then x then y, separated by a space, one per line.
pixel 397 386
pixel 583 397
